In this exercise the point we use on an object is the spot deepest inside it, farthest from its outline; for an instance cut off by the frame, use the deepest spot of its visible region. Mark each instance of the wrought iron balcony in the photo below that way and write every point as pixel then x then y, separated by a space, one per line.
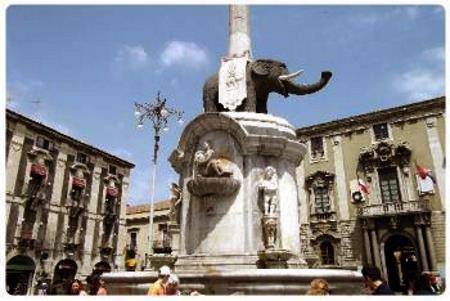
pixel 162 245
pixel 395 208
pixel 323 217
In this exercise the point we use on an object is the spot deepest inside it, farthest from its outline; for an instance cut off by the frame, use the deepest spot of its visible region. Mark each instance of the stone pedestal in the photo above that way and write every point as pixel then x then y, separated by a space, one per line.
pixel 158 260
pixel 221 226
pixel 174 232
pixel 275 259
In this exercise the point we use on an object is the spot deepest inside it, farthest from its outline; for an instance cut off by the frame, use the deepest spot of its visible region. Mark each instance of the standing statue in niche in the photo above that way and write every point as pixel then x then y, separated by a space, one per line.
pixel 268 187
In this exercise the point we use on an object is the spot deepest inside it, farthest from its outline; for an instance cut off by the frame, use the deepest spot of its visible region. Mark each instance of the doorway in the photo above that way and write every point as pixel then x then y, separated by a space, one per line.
pixel 19 275
pixel 63 276
pixel 401 262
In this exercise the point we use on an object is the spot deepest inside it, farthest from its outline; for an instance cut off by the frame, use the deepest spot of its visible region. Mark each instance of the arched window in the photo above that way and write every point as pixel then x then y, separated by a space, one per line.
pixel 327 253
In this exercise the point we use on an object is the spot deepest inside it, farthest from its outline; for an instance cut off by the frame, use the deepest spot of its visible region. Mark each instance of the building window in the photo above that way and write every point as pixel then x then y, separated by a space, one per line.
pixel 133 240
pixel 82 158
pixel 317 148
pixel 43 143
pixel 327 253
pixel 322 200
pixel 112 170
pixel 381 131
pixel 389 185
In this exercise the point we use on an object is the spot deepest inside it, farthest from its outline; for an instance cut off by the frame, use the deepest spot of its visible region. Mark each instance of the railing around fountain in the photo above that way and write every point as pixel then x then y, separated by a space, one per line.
pixel 393 208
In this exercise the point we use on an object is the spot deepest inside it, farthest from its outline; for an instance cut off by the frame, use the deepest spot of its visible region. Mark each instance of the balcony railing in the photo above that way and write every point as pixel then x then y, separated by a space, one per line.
pixel 162 245
pixel 323 217
pixel 394 208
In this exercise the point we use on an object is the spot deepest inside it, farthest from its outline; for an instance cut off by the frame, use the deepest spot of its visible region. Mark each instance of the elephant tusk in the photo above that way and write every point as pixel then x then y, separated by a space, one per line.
pixel 290 76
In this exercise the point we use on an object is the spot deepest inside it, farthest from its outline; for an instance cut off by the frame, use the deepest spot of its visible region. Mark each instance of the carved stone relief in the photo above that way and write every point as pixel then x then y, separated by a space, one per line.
pixel 212 174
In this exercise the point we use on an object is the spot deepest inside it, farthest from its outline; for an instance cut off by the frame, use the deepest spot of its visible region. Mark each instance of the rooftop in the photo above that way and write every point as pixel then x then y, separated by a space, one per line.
pixel 63 137
pixel 437 103
pixel 162 205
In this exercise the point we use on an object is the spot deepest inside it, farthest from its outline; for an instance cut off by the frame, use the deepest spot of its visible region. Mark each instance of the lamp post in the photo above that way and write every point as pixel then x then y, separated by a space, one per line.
pixel 159 114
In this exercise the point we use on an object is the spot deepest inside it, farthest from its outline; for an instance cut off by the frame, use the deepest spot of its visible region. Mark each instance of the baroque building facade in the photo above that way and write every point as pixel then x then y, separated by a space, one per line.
pixel 65 208
pixel 372 191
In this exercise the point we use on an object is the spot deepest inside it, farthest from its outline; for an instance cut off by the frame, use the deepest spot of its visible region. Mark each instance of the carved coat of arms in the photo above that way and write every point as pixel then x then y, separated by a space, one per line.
pixel 232 82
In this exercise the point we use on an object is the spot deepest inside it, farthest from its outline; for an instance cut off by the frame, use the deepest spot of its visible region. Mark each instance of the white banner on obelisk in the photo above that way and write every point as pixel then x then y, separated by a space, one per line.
pixel 232 82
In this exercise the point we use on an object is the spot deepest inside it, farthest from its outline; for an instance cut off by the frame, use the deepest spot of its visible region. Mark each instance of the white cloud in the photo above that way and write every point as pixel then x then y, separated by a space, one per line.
pixel 426 79
pixel 435 54
pixel 133 57
pixel 421 83
pixel 122 153
pixel 411 12
pixel 187 54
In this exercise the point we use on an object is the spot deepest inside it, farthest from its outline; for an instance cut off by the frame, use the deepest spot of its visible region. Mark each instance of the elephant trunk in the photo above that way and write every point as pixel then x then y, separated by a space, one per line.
pixel 298 89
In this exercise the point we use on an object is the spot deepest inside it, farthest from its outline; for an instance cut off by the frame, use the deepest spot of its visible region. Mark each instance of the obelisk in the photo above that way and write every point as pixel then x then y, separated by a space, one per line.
pixel 239 31
pixel 232 73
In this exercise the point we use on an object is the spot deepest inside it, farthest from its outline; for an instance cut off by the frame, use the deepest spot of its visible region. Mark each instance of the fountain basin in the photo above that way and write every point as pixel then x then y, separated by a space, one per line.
pixel 245 282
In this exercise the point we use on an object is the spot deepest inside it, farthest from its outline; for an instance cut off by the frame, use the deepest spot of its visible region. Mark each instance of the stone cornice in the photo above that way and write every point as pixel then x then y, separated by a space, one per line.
pixel 432 107
pixel 77 144
pixel 254 134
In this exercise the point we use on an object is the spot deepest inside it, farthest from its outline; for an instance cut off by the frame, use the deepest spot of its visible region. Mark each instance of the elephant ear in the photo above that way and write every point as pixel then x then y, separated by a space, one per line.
pixel 261 68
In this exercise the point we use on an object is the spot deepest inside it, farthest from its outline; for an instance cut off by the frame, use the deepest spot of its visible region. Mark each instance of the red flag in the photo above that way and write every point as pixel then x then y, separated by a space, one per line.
pixel 424 173
pixel 363 187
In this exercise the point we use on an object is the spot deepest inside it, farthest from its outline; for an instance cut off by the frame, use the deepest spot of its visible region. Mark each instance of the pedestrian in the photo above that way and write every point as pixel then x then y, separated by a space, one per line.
pixel 158 288
pixel 374 281
pixel 319 287
pixel 76 288
pixel 172 288
pixel 425 286
pixel 97 285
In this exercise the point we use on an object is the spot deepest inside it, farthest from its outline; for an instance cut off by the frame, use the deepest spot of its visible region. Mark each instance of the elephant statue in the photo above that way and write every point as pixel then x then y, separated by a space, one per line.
pixel 263 77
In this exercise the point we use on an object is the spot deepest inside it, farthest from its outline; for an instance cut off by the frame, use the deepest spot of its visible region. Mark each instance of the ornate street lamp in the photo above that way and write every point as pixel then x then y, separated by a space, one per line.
pixel 159 114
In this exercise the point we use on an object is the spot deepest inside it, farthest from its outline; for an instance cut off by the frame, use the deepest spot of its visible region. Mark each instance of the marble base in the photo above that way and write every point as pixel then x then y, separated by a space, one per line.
pixel 244 282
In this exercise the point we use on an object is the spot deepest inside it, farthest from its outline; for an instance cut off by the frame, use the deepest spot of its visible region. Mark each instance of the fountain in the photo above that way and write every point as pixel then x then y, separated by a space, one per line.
pixel 236 228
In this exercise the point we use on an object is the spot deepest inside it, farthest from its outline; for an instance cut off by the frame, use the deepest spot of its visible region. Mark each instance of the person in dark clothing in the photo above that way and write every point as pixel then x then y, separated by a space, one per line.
pixel 424 285
pixel 373 280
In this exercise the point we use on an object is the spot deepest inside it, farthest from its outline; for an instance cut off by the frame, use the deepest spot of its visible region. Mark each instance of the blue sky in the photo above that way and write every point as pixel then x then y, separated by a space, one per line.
pixel 88 64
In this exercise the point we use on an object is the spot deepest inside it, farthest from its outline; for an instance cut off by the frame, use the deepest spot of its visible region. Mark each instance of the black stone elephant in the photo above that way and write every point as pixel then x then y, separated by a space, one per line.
pixel 263 77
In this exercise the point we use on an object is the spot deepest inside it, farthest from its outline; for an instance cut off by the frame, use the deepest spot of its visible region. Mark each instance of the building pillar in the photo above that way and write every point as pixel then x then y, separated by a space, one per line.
pixel 239 31
pixel 90 225
pixel 341 181
pixel 431 251
pixel 376 248
pixel 438 157
pixel 422 252
pixel 122 231
pixel 58 183
pixel 303 201
pixel 14 155
pixel 367 247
